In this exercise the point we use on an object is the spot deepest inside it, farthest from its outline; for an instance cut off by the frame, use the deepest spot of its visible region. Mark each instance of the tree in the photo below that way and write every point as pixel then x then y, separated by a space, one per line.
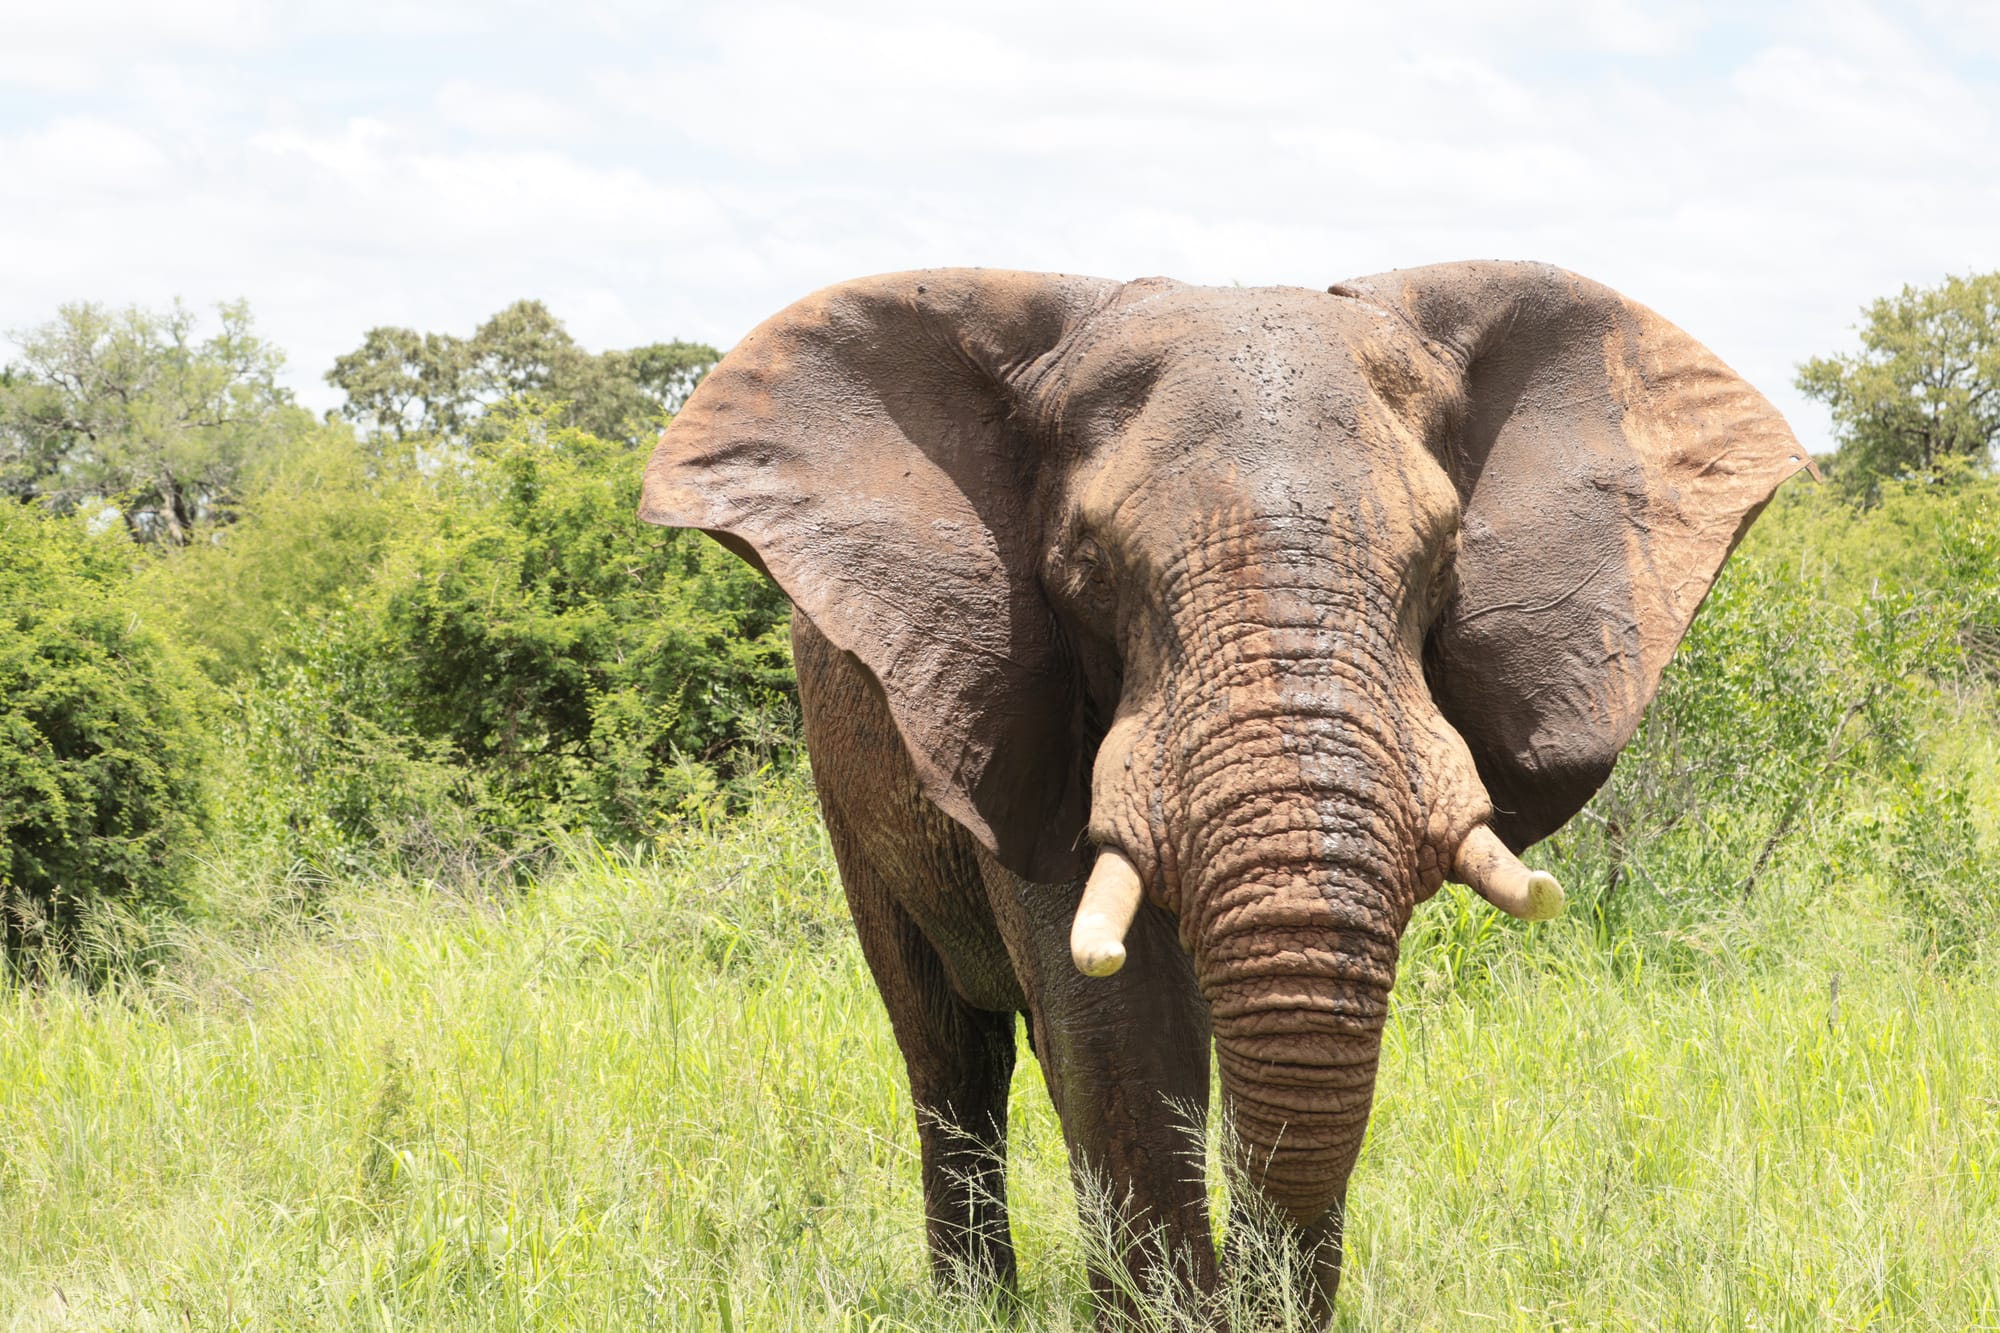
pixel 1923 393
pixel 447 656
pixel 134 410
pixel 575 655
pixel 401 383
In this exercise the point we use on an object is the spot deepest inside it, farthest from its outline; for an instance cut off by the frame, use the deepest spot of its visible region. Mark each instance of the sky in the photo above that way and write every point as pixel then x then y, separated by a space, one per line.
pixel 1755 172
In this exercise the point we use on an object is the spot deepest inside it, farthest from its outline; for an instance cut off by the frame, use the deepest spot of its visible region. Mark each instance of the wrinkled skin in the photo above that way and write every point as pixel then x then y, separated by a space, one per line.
pixel 1280 593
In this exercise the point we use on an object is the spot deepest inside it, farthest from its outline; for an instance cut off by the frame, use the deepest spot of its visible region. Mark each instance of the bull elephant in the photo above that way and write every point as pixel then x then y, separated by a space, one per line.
pixel 1160 647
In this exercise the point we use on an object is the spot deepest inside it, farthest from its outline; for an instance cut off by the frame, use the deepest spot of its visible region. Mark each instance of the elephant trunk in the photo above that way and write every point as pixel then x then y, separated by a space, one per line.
pixel 1292 792
pixel 1295 923
pixel 1296 967
pixel 1322 806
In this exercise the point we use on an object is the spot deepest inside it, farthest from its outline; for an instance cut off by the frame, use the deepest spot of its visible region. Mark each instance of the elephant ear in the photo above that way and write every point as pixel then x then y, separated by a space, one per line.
pixel 862 448
pixel 1607 464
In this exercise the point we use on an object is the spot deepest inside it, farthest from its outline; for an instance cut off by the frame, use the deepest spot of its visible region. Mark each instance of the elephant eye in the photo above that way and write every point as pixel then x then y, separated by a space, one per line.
pixel 1088 577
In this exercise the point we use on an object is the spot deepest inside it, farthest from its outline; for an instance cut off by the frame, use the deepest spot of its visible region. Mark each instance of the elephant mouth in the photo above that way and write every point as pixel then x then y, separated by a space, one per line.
pixel 1482 862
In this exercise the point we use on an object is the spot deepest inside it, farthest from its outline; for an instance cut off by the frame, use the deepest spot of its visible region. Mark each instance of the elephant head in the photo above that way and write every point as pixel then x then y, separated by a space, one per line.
pixel 1278 605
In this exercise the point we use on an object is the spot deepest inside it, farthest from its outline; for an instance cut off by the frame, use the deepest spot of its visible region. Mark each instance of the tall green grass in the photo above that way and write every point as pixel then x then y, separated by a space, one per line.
pixel 658 1092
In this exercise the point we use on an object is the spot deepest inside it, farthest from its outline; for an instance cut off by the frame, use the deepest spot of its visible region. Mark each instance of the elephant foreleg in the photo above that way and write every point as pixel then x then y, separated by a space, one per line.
pixel 961 1062
pixel 1125 1058
pixel 962 1129
pixel 920 912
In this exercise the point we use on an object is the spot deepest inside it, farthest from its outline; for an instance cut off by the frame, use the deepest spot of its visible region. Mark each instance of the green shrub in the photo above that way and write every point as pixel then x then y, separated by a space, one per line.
pixel 598 670
pixel 323 776
pixel 1803 732
pixel 445 656
pixel 318 512
pixel 101 735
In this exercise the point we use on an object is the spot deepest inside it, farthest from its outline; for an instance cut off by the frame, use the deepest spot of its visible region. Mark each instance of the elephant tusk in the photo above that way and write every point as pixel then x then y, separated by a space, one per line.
pixel 1097 938
pixel 1486 866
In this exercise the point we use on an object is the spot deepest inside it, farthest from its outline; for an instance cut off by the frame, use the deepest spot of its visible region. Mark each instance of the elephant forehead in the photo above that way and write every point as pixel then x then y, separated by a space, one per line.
pixel 1262 335
pixel 1260 365
pixel 1271 399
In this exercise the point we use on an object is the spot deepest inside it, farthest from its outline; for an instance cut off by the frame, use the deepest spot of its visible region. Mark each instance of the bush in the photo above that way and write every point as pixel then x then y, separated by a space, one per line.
pixel 323 775
pixel 101 735
pixel 599 671
pixel 447 654
pixel 318 512
pixel 1804 732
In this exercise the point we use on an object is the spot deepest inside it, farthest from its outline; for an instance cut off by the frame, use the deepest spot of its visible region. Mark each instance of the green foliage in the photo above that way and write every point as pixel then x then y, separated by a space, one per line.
pixel 1924 390
pixel 659 1091
pixel 322 772
pixel 1803 732
pixel 451 657
pixel 318 514
pixel 403 383
pixel 133 410
pixel 101 735
pixel 557 641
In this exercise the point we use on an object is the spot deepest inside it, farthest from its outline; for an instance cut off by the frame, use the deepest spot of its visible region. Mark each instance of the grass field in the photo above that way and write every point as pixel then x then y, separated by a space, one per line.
pixel 660 1093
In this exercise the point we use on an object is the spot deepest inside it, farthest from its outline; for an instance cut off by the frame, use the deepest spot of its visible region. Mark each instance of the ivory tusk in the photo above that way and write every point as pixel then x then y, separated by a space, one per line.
pixel 1097 938
pixel 1486 867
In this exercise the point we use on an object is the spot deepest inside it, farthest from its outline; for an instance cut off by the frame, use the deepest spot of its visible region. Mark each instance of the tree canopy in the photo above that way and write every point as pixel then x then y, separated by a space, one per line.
pixel 339 650
pixel 1923 393
pixel 135 410
pixel 401 383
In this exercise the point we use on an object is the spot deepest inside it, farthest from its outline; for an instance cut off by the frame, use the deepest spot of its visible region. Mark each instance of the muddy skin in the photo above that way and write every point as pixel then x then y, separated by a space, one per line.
pixel 1278 594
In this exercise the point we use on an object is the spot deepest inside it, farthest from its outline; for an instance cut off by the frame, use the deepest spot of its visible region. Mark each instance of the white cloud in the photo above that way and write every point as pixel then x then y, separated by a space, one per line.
pixel 506 113
pixel 79 43
pixel 1627 28
pixel 79 158
pixel 685 173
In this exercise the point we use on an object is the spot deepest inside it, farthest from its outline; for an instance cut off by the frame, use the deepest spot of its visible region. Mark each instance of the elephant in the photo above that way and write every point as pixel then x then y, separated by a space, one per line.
pixel 1161 646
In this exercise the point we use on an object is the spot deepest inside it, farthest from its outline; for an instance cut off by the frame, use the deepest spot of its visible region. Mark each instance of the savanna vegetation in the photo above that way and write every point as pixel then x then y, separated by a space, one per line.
pixel 416 915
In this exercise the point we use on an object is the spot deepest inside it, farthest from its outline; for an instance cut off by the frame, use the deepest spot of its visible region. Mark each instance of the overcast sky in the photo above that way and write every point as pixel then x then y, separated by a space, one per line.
pixel 1754 172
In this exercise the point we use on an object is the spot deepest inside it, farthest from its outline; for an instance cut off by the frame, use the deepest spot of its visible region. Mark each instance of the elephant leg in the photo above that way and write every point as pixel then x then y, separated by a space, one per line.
pixel 919 906
pixel 1125 1058
pixel 961 1062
